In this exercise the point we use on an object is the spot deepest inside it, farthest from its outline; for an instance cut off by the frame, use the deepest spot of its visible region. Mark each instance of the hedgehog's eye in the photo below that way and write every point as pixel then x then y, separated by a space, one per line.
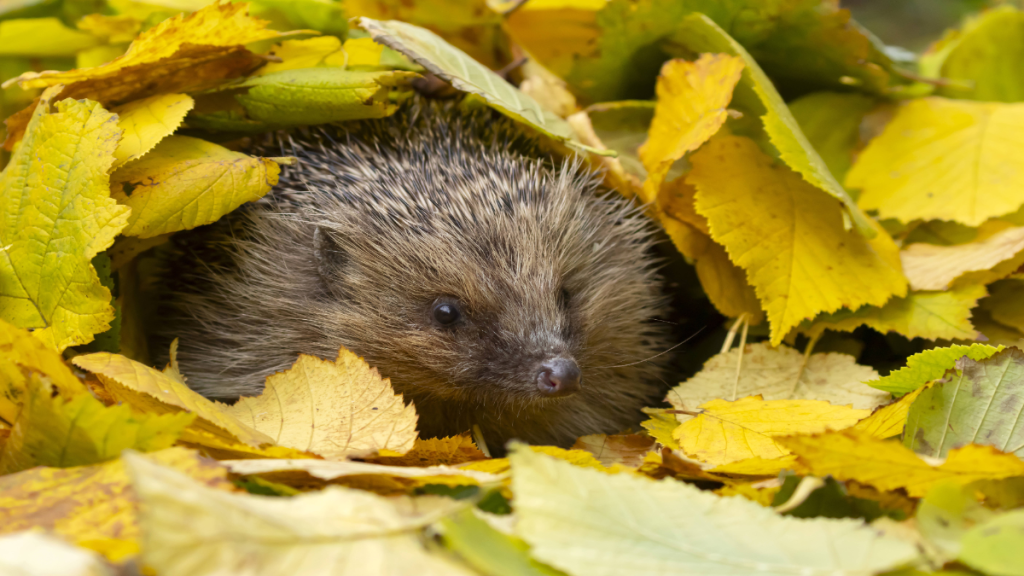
pixel 446 313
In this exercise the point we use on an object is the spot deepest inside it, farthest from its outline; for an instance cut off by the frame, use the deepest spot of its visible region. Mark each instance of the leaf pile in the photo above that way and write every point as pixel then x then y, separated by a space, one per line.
pixel 833 205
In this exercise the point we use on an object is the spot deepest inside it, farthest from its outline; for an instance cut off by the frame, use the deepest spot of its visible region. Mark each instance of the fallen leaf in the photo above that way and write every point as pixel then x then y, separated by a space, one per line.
pixel 929 315
pixel 982 402
pixel 929 365
pixel 944 160
pixel 24 358
pixel 931 267
pixel 34 553
pixel 692 101
pixel 810 265
pixel 488 550
pixel 779 374
pixel 186 182
pixel 660 426
pixel 585 522
pixel 185 53
pixel 888 465
pixel 626 449
pixel 191 529
pixel 152 391
pixel 831 122
pixel 93 506
pixel 725 432
pixel 51 431
pixel 946 513
pixel 58 215
pixel 889 420
pixel 146 122
pixel 448 62
pixel 993 546
pixel 451 451
pixel 334 409
pixel 42 37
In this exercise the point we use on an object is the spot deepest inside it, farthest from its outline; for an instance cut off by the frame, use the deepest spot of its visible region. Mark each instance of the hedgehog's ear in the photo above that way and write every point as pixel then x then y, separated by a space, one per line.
pixel 329 256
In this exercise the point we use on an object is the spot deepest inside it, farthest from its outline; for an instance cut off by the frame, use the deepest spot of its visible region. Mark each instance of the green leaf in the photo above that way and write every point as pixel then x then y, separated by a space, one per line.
pixel 327 16
pixel 946 513
pixel 55 216
pixel 488 550
pixel 186 182
pixel 320 95
pixel 982 61
pixel 756 93
pixel 831 122
pixel 981 403
pixel 995 546
pixel 51 431
pixel 622 126
pixel 930 365
pixel 448 62
pixel 39 37
pixel 587 522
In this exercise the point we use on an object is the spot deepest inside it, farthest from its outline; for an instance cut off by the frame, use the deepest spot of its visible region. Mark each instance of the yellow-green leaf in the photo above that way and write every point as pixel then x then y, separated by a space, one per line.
pixel 41 37
pixel 186 182
pixel 55 215
pixel 944 159
pixel 930 365
pixel 148 121
pixel 789 237
pixel 931 315
pixel 335 409
pixel 692 100
pixel 51 431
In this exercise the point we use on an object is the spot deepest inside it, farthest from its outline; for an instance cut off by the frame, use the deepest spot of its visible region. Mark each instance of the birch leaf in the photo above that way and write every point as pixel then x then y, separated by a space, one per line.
pixel 692 101
pixel 888 465
pixel 931 267
pixel 93 506
pixel 584 522
pixel 981 403
pixel 811 264
pixel 152 391
pixel 186 182
pixel 448 62
pixel 55 216
pixel 930 365
pixel 931 315
pixel 779 374
pixel 192 530
pixel 148 121
pixel 944 159
pixel 726 432
pixel 334 409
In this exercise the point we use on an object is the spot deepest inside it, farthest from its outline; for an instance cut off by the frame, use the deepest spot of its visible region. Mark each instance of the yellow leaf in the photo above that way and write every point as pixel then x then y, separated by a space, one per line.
pixel 727 432
pixel 931 267
pixel 186 53
pixel 92 506
pixel 660 427
pixel 931 315
pixel 148 121
pixel 191 529
pixel 451 450
pixel 763 496
pixel 889 420
pixel 692 100
pixel 22 359
pixel 152 391
pixel 51 431
pixel 296 54
pixel 628 450
pixel 41 37
pixel 575 457
pixel 364 475
pixel 56 216
pixel 112 29
pixel 779 374
pixel 334 409
pixel 757 466
pixel 888 465
pixel 789 237
pixel 360 52
pixel 944 159
pixel 187 182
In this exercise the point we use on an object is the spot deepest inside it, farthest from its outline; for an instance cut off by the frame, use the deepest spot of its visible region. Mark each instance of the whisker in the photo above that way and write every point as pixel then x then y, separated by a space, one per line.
pixel 691 337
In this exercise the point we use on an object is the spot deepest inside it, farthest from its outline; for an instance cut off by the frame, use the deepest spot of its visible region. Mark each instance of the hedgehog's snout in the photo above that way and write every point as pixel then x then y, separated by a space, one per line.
pixel 559 376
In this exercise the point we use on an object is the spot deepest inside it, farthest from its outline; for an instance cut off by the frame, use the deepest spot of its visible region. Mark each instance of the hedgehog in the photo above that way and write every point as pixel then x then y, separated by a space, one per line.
pixel 494 285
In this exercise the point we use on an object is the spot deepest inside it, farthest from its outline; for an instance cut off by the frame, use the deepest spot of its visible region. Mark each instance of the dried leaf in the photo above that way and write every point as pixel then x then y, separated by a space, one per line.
pixel 626 449
pixel 931 267
pixel 334 409
pixel 433 451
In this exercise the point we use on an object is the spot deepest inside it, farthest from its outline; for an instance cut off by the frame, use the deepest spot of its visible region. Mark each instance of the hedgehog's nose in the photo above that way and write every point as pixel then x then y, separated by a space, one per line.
pixel 559 377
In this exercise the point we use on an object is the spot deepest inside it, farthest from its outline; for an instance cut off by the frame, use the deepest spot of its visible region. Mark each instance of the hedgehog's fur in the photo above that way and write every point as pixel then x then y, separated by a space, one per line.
pixel 431 202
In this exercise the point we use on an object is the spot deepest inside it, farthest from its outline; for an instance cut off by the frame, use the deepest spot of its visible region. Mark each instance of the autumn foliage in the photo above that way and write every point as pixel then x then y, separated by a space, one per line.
pixel 831 197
